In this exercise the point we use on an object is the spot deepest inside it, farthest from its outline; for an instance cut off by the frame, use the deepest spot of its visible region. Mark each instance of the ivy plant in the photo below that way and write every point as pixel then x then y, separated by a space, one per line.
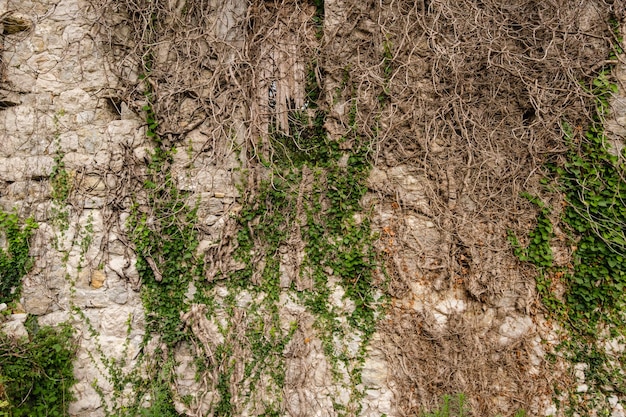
pixel 37 373
pixel 15 260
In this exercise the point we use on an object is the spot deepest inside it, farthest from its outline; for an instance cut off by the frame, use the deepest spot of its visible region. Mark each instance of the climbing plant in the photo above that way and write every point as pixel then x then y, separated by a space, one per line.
pixel 592 180
pixel 37 373
pixel 15 260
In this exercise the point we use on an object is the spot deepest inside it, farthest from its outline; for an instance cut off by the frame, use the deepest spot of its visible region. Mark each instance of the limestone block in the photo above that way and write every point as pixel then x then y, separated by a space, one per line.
pixel 73 33
pixel 197 140
pixel 49 82
pixel 85 117
pixel 87 399
pixel 117 265
pixel 75 101
pixel 207 179
pixel 9 98
pixel 412 186
pixel 447 307
pixel 422 232
pixel 118 294
pixel 513 328
pixel 68 142
pixel 207 204
pixel 19 122
pixel 8 144
pixel 377 402
pixel 74 160
pixel 44 62
pixel 132 275
pixel 579 372
pixel 377 179
pixel 375 373
pixel 31 191
pixel 37 301
pixel 85 298
pixel 66 12
pixel 125 131
pixel 18 317
pixel 143 153
pixel 52 319
pixel 114 320
pixel 15 329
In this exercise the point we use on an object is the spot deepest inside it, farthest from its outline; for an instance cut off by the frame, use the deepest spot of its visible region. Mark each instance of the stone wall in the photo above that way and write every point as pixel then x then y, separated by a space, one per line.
pixel 59 113
pixel 61 119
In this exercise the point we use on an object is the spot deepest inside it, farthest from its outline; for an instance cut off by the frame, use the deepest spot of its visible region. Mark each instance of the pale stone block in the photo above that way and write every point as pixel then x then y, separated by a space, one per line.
pixel 15 329
pixel 85 298
pixel 19 122
pixel 124 131
pixel 375 373
pixel 514 327
pixel 53 319
pixel 75 101
pixel 87 399
pixel 37 301
pixel 118 294
pixel 68 142
pixel 73 33
pixel 114 320
pixel 44 62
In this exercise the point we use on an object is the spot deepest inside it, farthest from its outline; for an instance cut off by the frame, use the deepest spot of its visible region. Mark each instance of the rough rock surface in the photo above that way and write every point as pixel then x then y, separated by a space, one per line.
pixel 55 108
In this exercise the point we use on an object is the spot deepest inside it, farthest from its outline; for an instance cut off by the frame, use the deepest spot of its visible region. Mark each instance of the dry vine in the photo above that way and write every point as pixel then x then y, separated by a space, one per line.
pixel 468 93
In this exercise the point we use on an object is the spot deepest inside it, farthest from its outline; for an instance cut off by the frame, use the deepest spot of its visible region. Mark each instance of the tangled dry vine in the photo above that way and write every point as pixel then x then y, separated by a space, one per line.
pixel 470 94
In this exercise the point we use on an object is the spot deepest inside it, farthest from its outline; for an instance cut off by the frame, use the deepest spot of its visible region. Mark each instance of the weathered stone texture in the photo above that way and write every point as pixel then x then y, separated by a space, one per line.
pixel 56 79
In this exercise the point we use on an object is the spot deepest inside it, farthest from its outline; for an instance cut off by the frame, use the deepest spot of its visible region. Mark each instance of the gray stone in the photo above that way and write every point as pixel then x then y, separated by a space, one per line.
pixel 87 399
pixel 37 302
pixel 9 98
pixel 75 101
pixel 15 329
pixel 124 131
pixel 20 317
pixel 24 168
pixel 118 264
pixel 52 319
pixel 118 294
pixel 514 327
pixel 85 298
pixel 375 373
pixel 114 321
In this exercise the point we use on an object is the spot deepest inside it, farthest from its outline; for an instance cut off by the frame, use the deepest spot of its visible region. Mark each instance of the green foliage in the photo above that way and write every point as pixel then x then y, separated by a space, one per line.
pixel 318 18
pixel 36 374
pixel 592 178
pixel 162 404
pixel 60 179
pixel 594 184
pixel 280 209
pixel 165 242
pixel 313 198
pixel 456 406
pixel 165 239
pixel 538 252
pixel 15 260
pixel 451 407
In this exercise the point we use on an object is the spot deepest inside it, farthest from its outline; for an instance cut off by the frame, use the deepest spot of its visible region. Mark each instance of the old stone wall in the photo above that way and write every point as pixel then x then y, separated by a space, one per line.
pixel 70 155
pixel 61 121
